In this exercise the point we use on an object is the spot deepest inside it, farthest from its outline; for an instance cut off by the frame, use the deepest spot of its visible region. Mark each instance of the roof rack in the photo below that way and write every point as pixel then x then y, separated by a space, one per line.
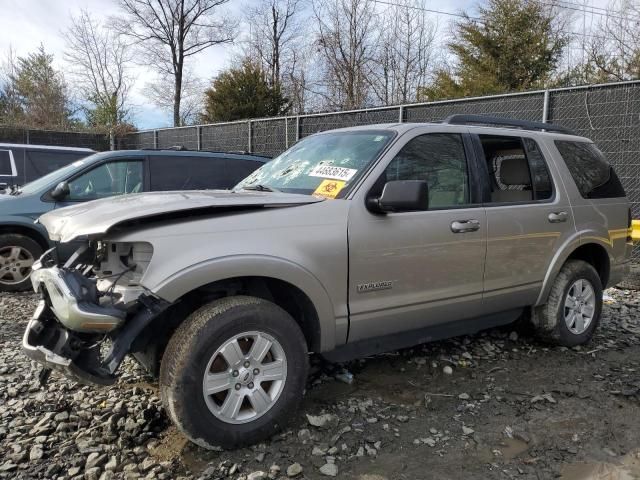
pixel 459 119
pixel 182 148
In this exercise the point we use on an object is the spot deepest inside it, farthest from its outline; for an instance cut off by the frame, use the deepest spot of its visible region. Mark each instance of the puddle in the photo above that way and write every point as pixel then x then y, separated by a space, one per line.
pixel 627 469
pixel 512 448
pixel 508 449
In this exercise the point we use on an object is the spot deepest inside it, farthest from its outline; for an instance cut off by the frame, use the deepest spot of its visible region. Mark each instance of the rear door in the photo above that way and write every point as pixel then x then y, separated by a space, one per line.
pixel 528 218
pixel 409 270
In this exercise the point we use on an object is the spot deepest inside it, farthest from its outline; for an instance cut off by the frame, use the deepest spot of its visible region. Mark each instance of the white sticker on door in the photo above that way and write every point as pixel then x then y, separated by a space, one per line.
pixel 333 172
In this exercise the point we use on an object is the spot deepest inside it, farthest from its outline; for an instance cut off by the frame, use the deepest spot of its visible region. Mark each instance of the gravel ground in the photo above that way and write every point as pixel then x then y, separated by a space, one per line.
pixel 494 405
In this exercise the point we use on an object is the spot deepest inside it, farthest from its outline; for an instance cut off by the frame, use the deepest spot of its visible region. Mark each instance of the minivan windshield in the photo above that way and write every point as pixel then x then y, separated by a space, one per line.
pixel 54 177
pixel 324 164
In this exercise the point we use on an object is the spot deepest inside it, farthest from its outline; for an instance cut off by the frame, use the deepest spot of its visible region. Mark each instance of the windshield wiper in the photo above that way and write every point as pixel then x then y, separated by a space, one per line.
pixel 260 188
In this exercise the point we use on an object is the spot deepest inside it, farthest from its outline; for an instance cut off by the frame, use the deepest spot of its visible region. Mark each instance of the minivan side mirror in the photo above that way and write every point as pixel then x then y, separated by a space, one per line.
pixel 60 191
pixel 404 196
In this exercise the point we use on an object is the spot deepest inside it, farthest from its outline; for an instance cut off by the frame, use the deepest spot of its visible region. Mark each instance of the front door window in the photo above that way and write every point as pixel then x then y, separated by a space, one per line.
pixel 115 178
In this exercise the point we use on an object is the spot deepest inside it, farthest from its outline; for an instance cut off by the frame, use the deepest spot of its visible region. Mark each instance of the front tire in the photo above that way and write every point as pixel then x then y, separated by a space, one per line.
pixel 233 372
pixel 17 254
pixel 573 309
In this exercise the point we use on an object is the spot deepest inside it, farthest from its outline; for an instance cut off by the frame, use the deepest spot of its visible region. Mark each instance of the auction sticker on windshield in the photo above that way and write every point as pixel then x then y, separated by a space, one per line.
pixel 329 188
pixel 333 172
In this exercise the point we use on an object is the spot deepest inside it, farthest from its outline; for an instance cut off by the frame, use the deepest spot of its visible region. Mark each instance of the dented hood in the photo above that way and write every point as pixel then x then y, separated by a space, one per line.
pixel 97 217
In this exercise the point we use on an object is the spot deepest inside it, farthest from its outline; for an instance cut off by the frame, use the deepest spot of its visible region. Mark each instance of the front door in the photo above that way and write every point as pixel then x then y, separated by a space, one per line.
pixel 409 270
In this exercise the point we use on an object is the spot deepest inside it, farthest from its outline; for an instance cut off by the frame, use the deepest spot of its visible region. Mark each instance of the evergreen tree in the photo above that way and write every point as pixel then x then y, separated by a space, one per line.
pixel 41 92
pixel 514 45
pixel 241 93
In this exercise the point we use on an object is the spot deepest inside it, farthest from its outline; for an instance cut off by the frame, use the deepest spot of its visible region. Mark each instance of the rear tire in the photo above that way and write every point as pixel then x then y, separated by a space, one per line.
pixel 573 309
pixel 252 399
pixel 17 254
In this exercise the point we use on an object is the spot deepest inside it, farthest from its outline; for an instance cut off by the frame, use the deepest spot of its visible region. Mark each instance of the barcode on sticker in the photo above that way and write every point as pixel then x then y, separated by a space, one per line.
pixel 333 172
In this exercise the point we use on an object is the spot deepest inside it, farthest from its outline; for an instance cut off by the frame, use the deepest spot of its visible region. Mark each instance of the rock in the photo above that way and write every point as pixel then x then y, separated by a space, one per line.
pixel 304 435
pixel 260 457
pixel 259 475
pixel 92 473
pixel 294 470
pixel 513 336
pixel 317 451
pixel 467 431
pixel 36 453
pixel 321 421
pixel 447 370
pixel 464 396
pixel 95 459
pixel 329 469
pixel 112 464
pixel 402 418
pixel 274 470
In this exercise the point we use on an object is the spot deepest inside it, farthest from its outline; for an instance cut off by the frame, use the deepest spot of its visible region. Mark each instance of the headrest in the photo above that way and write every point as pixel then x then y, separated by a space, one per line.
pixel 514 170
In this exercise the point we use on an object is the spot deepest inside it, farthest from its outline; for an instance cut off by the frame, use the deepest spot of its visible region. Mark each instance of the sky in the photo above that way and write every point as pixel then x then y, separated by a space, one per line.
pixel 25 24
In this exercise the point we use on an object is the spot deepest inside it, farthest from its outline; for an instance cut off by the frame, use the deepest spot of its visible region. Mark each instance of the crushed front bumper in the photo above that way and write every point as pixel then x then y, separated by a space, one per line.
pixel 73 300
pixel 43 336
pixel 69 327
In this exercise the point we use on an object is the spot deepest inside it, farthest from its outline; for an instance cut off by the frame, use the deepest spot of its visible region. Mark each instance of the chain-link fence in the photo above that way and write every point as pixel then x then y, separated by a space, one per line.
pixel 609 114
pixel 95 141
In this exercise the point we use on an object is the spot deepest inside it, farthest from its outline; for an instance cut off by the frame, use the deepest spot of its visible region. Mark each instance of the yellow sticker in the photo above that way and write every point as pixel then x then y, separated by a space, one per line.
pixel 329 188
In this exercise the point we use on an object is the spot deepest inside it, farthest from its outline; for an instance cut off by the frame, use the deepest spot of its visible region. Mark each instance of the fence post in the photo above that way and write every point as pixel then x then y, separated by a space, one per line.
pixel 199 137
pixel 401 114
pixel 112 140
pixel 155 139
pixel 286 132
pixel 27 130
pixel 297 127
pixel 250 132
pixel 545 107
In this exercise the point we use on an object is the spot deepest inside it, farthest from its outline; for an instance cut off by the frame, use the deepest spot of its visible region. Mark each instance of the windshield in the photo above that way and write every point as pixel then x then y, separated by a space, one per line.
pixel 321 165
pixel 54 177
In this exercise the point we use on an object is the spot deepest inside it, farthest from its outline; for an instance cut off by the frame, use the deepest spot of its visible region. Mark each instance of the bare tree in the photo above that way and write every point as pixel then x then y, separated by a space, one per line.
pixel 161 93
pixel 98 60
pixel 274 32
pixel 10 104
pixel 347 38
pixel 614 50
pixel 405 53
pixel 168 32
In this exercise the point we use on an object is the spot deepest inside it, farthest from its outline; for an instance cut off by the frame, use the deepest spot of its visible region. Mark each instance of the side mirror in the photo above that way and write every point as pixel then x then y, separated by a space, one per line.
pixel 404 196
pixel 60 191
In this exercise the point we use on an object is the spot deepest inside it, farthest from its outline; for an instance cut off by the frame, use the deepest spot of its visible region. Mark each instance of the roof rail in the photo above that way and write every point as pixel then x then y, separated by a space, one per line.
pixel 460 119
pixel 181 148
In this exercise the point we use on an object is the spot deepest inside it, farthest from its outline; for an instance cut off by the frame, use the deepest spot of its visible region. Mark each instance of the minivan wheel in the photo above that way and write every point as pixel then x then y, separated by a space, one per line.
pixel 573 309
pixel 233 372
pixel 17 254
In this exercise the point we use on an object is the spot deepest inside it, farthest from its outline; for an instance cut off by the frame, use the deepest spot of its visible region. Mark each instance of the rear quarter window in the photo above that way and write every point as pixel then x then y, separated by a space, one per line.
pixel 591 172
pixel 197 172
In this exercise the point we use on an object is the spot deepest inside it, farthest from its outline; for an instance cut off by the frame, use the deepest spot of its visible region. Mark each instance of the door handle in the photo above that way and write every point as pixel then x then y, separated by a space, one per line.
pixel 558 217
pixel 462 226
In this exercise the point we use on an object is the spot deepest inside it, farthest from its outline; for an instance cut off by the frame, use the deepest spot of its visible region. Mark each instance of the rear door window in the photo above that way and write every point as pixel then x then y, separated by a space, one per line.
pixel 517 169
pixel 197 172
pixel 41 162
pixel 590 170
pixel 7 164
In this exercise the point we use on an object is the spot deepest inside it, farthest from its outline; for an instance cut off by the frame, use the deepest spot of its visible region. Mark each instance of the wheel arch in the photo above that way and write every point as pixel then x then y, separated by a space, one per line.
pixel 27 231
pixel 594 251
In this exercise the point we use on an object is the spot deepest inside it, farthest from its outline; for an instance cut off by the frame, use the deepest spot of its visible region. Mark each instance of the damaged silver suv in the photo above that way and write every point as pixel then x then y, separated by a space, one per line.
pixel 352 242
